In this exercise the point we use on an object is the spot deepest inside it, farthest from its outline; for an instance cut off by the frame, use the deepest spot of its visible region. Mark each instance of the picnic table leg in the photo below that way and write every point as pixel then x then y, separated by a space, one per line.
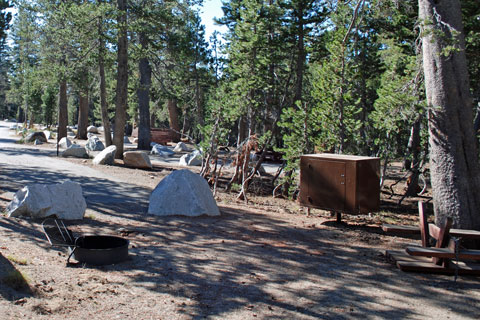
pixel 423 225
pixel 443 239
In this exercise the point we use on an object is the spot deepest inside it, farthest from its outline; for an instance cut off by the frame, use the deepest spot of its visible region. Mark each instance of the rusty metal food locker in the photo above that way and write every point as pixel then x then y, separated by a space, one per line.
pixel 340 183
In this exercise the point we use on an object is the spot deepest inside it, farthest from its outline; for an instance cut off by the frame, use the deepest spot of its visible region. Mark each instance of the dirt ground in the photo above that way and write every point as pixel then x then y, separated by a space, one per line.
pixel 262 260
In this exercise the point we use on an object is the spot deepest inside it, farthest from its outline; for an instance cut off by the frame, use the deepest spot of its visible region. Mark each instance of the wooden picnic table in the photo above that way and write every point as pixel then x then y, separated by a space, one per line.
pixel 446 257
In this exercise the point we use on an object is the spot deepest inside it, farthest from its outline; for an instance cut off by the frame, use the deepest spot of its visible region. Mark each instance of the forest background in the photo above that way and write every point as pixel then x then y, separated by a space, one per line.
pixel 299 76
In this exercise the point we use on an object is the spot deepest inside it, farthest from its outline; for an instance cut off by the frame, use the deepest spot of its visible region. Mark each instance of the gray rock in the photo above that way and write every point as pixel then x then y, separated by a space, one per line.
pixel 94 144
pixel 64 143
pixel 191 159
pixel 107 156
pixel 180 147
pixel 183 193
pixel 162 150
pixel 71 134
pixel 92 129
pixel 36 135
pixel 75 151
pixel 65 200
pixel 137 159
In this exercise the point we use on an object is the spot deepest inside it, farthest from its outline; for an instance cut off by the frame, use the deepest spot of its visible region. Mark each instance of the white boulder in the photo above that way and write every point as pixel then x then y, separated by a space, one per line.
pixel 183 193
pixel 180 147
pixel 107 156
pixel 64 143
pixel 137 159
pixel 38 135
pixel 92 129
pixel 48 134
pixel 162 151
pixel 94 144
pixel 65 200
pixel 75 151
pixel 191 159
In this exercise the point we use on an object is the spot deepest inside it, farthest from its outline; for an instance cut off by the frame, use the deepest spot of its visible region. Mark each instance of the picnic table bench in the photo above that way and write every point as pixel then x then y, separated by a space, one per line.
pixel 447 256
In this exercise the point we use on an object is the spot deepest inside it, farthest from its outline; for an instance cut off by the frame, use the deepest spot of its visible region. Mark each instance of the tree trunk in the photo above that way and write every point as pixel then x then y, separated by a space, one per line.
pixel 103 91
pixel 242 130
pixel 122 80
pixel 62 110
pixel 300 51
pixel 83 115
pixel 143 95
pixel 173 115
pixel 454 164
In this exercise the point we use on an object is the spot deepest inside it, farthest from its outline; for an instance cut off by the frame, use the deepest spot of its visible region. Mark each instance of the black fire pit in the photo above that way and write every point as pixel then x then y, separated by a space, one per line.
pixel 90 249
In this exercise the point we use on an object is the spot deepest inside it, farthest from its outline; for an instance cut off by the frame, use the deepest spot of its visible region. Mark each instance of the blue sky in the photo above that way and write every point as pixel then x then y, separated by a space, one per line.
pixel 211 9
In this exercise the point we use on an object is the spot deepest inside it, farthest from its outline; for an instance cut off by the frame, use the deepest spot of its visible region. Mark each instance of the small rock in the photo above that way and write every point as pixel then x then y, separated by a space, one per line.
pixel 192 159
pixel 48 134
pixel 162 150
pixel 107 156
pixel 180 147
pixel 137 159
pixel 75 151
pixel 92 129
pixel 36 135
pixel 94 144
pixel 64 143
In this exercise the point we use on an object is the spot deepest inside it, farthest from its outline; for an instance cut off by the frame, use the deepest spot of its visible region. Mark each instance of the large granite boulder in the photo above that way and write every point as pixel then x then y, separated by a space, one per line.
pixel 180 147
pixel 92 129
pixel 137 159
pixel 183 193
pixel 107 156
pixel 75 151
pixel 65 200
pixel 64 143
pixel 162 151
pixel 39 135
pixel 94 144
pixel 192 159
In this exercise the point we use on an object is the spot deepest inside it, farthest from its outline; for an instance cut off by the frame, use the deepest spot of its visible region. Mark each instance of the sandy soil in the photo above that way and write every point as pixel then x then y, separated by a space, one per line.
pixel 264 260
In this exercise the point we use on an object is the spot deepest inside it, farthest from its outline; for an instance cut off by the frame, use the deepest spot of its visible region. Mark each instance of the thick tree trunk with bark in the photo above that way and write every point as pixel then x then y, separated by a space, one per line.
pixel 83 115
pixel 62 110
pixel 143 95
pixel 122 80
pixel 455 172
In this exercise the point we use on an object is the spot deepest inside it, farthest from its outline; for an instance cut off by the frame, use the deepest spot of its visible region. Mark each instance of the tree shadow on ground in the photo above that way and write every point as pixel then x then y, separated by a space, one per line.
pixel 248 260
pixel 13 284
